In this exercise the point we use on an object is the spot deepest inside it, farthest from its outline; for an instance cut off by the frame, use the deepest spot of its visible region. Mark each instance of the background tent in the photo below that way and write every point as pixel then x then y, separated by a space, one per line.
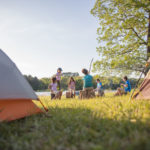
pixel 144 91
pixel 16 94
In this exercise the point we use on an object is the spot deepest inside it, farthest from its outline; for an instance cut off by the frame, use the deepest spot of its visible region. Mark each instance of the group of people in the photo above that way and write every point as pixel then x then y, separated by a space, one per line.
pixel 55 85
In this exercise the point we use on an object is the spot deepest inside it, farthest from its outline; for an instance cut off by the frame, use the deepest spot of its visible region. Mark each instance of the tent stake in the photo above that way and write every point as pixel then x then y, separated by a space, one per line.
pixel 43 105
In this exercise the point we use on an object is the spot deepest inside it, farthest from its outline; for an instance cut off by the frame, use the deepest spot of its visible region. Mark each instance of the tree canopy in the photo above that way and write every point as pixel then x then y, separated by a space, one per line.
pixel 123 35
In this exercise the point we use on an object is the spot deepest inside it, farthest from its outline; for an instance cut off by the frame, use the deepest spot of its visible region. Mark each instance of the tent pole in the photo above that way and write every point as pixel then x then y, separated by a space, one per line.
pixel 43 105
pixel 146 65
pixel 91 65
pixel 137 84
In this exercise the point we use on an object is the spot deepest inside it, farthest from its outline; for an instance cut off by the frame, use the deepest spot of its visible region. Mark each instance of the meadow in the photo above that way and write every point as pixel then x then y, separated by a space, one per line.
pixel 108 123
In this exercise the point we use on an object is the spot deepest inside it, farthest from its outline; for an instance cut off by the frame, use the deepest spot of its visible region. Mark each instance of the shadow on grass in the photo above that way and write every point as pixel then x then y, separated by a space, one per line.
pixel 74 129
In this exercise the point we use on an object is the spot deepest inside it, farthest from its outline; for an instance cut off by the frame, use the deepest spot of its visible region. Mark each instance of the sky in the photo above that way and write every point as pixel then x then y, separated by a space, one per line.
pixel 42 35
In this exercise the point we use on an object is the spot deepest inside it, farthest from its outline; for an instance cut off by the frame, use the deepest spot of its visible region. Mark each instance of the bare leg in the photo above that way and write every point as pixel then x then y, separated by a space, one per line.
pixel 58 84
pixel 119 92
pixel 74 93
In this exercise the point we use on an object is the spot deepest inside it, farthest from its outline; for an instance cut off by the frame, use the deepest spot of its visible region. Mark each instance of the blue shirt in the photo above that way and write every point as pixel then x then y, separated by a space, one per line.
pixel 99 85
pixel 128 88
pixel 88 81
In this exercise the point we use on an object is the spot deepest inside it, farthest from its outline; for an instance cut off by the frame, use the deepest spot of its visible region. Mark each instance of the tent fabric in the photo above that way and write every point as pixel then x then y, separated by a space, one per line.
pixel 144 90
pixel 13 85
pixel 16 94
pixel 16 109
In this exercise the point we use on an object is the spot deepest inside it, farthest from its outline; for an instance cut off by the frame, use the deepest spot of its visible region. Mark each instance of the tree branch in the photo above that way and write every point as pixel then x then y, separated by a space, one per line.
pixel 138 36
pixel 143 41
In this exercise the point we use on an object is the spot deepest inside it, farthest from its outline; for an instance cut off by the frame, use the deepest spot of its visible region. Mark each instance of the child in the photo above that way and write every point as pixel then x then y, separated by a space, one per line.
pixel 58 77
pixel 99 88
pixel 53 89
pixel 127 87
pixel 71 87
pixel 87 84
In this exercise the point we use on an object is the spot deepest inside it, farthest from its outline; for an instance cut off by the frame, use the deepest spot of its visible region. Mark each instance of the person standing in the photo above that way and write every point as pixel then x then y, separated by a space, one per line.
pixel 71 87
pixel 53 88
pixel 58 78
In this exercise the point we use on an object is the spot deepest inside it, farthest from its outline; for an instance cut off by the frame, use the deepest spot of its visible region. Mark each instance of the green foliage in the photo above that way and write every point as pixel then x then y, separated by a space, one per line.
pixel 98 124
pixel 35 82
pixel 64 83
pixel 111 83
pixel 79 83
pixel 45 82
pixel 123 35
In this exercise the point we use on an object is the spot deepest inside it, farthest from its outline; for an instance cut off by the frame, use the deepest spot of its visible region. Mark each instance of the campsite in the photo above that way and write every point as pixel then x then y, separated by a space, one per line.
pixel 75 75
pixel 96 123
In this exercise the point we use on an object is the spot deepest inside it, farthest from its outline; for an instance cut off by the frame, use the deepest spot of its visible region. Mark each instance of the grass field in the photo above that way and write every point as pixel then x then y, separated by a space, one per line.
pixel 98 124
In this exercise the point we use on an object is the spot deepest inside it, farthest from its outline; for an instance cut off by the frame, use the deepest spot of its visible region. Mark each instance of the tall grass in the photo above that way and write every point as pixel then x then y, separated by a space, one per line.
pixel 109 123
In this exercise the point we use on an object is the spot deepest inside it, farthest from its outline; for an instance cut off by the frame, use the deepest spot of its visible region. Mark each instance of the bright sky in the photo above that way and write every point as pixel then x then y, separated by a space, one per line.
pixel 42 35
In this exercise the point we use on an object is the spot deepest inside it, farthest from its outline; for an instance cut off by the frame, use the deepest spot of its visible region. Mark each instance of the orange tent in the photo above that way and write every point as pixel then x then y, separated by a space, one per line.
pixel 144 90
pixel 16 94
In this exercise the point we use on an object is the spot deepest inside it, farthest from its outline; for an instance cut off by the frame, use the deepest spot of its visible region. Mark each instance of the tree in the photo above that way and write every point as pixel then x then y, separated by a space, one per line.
pixel 64 83
pixel 37 84
pixel 45 82
pixel 123 35
pixel 111 83
pixel 79 83
pixel 34 82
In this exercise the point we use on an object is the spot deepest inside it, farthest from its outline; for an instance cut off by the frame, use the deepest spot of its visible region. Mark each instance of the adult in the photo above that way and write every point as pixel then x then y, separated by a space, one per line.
pixel 87 84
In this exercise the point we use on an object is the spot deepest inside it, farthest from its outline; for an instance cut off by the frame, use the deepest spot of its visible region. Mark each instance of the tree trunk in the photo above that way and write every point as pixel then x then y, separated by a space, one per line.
pixel 148 39
pixel 148 45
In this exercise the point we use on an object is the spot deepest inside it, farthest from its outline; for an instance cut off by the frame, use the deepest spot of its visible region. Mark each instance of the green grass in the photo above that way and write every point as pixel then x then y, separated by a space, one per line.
pixel 98 124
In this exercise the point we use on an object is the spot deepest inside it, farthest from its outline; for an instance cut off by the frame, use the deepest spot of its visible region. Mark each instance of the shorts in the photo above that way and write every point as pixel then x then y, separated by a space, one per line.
pixel 54 94
pixel 72 88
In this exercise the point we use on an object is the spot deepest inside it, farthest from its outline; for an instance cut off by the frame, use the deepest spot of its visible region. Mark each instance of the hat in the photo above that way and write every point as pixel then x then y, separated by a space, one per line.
pixel 60 69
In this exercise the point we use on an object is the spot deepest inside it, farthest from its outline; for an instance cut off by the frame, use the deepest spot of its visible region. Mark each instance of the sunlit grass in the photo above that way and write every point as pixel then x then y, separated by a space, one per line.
pixel 109 123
